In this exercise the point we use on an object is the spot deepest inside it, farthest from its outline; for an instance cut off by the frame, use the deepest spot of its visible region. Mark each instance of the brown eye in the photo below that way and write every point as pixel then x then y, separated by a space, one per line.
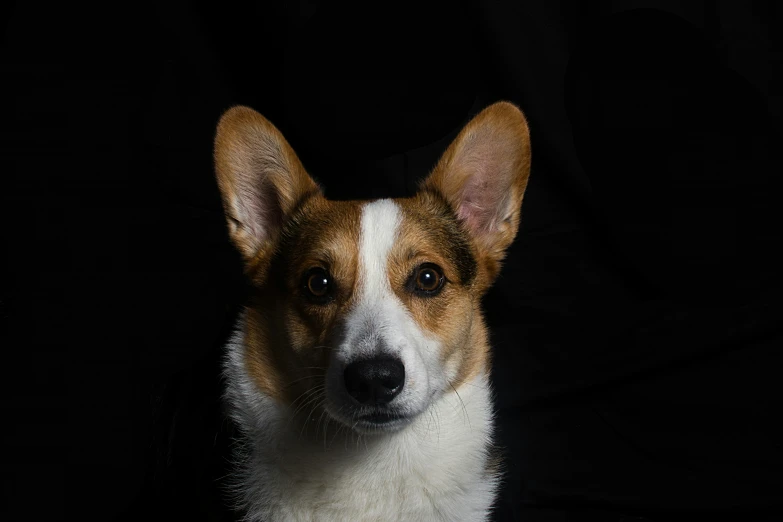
pixel 317 283
pixel 428 279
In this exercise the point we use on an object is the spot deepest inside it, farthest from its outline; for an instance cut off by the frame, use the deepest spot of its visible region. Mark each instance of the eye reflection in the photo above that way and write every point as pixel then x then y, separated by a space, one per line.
pixel 317 284
pixel 428 279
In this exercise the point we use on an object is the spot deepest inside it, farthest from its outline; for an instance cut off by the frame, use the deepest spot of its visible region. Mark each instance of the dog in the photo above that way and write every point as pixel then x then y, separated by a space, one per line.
pixel 358 374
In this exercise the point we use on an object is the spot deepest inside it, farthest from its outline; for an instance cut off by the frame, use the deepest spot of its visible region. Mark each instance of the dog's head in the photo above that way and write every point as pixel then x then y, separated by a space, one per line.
pixel 370 309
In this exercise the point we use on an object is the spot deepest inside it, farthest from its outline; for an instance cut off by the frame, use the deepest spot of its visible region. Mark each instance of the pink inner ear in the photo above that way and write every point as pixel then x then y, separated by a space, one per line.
pixel 484 197
pixel 260 208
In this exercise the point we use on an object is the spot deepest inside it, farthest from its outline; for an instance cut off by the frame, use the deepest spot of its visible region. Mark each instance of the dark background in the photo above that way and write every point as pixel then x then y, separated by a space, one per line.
pixel 636 325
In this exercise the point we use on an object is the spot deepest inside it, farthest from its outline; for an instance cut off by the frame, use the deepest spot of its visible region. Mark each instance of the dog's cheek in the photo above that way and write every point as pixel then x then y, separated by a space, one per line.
pixel 456 330
pixel 308 335
pixel 449 318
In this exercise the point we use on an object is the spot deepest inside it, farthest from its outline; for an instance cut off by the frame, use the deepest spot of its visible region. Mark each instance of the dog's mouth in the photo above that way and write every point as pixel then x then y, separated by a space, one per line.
pixel 380 421
pixel 381 417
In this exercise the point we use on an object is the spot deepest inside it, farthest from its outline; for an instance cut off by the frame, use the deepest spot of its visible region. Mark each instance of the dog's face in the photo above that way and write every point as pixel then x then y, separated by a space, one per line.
pixel 369 311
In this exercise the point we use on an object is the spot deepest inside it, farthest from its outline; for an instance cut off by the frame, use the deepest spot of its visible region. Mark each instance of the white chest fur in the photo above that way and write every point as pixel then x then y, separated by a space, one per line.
pixel 434 469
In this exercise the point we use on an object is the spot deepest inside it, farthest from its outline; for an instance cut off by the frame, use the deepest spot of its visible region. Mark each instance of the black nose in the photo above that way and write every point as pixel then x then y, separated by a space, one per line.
pixel 374 381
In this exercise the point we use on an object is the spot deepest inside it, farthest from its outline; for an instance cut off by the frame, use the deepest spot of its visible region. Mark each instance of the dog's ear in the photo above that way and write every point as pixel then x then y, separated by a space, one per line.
pixel 483 175
pixel 260 178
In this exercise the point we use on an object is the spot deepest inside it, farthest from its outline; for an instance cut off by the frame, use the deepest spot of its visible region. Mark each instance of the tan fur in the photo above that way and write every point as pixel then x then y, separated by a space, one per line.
pixel 262 358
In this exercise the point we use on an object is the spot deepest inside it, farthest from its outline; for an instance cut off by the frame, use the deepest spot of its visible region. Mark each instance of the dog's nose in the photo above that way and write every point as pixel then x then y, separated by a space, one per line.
pixel 374 381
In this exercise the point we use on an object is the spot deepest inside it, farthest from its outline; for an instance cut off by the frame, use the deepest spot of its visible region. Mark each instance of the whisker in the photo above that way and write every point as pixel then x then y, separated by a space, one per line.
pixel 314 399
pixel 464 409
pixel 300 379
pixel 309 395
pixel 340 427
pixel 437 423
pixel 320 418
pixel 305 397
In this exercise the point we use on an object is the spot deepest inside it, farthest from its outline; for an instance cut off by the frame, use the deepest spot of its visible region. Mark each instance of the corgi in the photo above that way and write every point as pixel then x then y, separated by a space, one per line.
pixel 358 373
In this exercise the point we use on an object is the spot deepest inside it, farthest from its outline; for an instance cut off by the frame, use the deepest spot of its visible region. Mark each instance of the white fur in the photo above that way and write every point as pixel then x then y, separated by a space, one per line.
pixel 433 469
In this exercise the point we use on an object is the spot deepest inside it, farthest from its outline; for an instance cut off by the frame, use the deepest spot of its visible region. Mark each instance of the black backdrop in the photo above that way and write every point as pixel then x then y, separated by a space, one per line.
pixel 637 323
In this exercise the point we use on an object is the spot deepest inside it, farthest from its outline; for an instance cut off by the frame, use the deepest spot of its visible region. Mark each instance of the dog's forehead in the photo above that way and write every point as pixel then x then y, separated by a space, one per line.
pixel 363 225
pixel 340 234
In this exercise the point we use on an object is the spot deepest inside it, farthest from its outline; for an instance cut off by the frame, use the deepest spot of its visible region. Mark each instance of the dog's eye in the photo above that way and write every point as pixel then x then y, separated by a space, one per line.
pixel 317 283
pixel 428 279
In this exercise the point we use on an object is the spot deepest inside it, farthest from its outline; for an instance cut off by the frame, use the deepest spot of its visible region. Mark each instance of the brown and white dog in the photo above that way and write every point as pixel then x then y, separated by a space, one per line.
pixel 358 373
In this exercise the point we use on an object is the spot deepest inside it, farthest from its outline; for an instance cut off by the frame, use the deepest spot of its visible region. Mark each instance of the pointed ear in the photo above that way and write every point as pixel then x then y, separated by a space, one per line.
pixel 260 178
pixel 483 175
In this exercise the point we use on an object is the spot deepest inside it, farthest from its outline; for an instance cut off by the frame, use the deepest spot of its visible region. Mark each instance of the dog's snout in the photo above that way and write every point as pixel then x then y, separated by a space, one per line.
pixel 374 381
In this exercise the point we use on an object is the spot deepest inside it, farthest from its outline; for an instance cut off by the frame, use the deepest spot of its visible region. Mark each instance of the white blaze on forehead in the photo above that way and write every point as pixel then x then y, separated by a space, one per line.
pixel 380 226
